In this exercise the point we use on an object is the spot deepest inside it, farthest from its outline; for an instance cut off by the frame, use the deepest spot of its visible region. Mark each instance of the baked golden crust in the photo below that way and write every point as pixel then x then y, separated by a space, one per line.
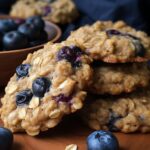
pixel 115 79
pixel 126 114
pixel 65 95
pixel 112 42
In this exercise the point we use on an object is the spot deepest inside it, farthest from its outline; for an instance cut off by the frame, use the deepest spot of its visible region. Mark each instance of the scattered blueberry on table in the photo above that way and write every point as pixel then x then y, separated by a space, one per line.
pixel 102 140
pixel 6 139
pixel 20 33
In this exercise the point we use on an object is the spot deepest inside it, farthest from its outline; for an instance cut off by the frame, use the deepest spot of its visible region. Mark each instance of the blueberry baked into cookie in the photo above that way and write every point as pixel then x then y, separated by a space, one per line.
pixel 57 11
pixel 124 113
pixel 49 84
pixel 119 78
pixel 112 42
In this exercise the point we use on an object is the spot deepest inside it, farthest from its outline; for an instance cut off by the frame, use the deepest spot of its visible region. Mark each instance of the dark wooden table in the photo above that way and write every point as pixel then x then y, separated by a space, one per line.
pixel 72 131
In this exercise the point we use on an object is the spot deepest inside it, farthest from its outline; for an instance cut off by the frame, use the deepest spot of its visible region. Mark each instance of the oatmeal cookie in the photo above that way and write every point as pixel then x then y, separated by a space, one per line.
pixel 49 84
pixel 113 42
pixel 126 114
pixel 117 78
pixel 57 11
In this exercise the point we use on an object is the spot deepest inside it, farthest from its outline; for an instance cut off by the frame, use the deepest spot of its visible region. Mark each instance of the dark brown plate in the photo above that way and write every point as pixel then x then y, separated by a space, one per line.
pixel 10 59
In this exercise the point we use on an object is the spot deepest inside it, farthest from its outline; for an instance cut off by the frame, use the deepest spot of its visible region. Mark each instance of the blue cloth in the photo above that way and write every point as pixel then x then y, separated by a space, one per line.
pixel 5 5
pixel 133 12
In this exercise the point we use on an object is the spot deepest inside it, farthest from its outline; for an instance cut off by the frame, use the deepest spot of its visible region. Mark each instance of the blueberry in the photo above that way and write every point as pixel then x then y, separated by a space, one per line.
pixel 30 30
pixel 102 140
pixel 23 97
pixel 43 39
pixel 71 54
pixel 112 32
pixel 36 43
pixel 14 40
pixel 37 21
pixel 6 139
pixel 140 50
pixel 23 70
pixel 7 25
pixel 62 98
pixel 44 36
pixel 40 86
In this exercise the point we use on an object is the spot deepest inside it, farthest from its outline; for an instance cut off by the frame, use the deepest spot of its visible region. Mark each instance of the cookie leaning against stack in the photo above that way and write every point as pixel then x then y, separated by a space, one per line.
pixel 120 66
pixel 49 84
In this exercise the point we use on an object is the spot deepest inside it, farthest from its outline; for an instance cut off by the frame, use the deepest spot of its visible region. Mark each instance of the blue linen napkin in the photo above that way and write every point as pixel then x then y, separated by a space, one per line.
pixel 136 13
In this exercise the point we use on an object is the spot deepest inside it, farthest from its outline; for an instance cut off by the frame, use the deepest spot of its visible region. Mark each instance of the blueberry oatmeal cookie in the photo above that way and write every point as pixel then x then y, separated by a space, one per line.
pixel 57 11
pixel 117 78
pixel 49 84
pixel 112 42
pixel 124 113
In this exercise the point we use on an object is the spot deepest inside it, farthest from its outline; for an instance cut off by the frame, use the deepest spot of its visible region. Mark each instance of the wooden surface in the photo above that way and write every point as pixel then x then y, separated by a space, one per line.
pixel 71 130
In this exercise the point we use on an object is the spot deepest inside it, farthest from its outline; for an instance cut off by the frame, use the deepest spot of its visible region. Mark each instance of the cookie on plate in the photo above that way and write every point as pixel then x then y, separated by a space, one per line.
pixel 120 78
pixel 57 11
pixel 112 42
pixel 49 84
pixel 126 114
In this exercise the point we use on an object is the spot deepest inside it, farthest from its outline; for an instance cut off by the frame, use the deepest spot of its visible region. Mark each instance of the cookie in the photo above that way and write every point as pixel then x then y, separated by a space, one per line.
pixel 115 79
pixel 57 11
pixel 112 42
pixel 49 84
pixel 125 114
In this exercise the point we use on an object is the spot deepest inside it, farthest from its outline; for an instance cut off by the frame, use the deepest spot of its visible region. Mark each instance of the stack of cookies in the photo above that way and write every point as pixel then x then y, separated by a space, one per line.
pixel 119 98
pixel 104 64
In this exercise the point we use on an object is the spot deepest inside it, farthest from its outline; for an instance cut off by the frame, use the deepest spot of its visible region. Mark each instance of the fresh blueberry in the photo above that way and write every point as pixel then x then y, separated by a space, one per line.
pixel 30 30
pixel 112 32
pixel 14 40
pixel 102 140
pixel 40 86
pixel 43 39
pixel 62 98
pixel 44 36
pixel 36 43
pixel 7 25
pixel 23 97
pixel 37 21
pixel 23 70
pixel 71 54
pixel 6 139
